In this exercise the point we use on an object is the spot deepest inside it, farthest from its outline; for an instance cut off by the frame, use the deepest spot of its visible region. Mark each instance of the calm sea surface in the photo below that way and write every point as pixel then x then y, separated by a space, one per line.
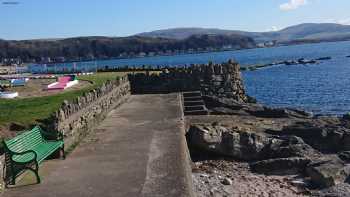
pixel 321 88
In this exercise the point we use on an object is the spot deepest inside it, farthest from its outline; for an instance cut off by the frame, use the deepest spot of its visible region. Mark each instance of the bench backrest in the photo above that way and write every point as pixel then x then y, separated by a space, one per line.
pixel 25 141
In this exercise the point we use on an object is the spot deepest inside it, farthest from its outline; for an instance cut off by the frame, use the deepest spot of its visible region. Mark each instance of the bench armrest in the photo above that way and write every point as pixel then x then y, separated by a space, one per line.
pixel 23 153
pixel 57 135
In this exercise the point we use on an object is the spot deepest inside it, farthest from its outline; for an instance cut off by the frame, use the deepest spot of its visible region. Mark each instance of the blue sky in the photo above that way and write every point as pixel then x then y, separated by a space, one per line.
pixel 31 19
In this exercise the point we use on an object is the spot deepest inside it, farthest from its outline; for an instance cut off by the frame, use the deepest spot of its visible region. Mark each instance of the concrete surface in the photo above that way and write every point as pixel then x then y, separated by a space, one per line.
pixel 138 150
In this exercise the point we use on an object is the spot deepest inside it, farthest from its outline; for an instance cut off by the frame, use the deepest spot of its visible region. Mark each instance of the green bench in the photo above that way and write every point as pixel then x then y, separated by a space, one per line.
pixel 27 150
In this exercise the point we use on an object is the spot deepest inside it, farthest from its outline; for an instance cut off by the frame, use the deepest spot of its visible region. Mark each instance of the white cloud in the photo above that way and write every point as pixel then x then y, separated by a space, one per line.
pixel 344 21
pixel 292 5
pixel 273 28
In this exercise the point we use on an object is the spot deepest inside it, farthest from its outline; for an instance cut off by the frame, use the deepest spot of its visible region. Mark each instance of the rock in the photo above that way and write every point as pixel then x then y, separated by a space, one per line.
pixel 216 102
pixel 340 190
pixel 291 62
pixel 241 145
pixel 299 183
pixel 227 181
pixel 299 113
pixel 267 112
pixel 346 116
pixel 324 58
pixel 325 138
pixel 251 100
pixel 206 137
pixel 346 141
pixel 304 61
pixel 328 173
pixel 345 156
pixel 246 145
pixel 223 111
pixel 281 166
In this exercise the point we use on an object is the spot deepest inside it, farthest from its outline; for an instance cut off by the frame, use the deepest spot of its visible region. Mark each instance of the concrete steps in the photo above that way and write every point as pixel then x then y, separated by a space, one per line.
pixel 194 104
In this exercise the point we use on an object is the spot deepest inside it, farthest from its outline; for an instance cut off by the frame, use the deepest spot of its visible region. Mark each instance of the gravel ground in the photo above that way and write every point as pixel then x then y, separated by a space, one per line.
pixel 229 178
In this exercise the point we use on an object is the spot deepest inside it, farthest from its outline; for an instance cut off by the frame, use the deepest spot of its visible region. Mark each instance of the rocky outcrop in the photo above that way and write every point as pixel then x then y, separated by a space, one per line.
pixel 340 190
pixel 228 106
pixel 328 173
pixel 300 61
pixel 345 156
pixel 246 146
pixel 271 154
pixel 281 166
pixel 327 136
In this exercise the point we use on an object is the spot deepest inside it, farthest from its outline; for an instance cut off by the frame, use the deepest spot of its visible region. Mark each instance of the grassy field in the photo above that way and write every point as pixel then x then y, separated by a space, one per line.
pixel 28 111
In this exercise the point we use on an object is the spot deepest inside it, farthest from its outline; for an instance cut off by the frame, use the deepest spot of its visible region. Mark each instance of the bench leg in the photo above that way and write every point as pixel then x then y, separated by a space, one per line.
pixel 63 152
pixel 36 171
pixel 13 180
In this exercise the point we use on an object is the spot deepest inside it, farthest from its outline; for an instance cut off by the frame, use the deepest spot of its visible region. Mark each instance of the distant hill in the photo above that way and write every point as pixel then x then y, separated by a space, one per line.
pixel 86 48
pixel 307 31
pixel 183 33
pixel 166 42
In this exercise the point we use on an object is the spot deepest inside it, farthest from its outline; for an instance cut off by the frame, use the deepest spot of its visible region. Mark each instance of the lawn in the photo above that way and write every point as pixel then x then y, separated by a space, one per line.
pixel 27 111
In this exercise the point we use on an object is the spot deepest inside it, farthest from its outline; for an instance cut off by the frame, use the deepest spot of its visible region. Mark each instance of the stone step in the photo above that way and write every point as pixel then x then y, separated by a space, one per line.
pixel 195 108
pixel 192 94
pixel 193 103
pixel 196 112
pixel 195 98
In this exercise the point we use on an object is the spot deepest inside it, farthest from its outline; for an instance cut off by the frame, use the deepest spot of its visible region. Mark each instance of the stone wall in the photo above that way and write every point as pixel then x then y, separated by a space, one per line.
pixel 220 80
pixel 75 118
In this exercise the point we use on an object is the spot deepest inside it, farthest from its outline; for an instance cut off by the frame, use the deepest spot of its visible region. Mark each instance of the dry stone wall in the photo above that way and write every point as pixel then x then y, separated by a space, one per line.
pixel 75 118
pixel 220 80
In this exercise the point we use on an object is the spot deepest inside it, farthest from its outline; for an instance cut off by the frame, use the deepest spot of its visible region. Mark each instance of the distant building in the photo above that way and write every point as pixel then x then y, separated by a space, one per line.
pixel 141 54
pixel 45 60
pixel 267 44
pixel 227 47
pixel 151 54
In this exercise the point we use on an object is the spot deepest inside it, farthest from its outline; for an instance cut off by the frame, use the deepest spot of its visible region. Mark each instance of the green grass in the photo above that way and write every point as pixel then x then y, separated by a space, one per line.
pixel 28 111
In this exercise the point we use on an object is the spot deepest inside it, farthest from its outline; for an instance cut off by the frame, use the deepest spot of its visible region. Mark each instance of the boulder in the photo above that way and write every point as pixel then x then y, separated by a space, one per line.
pixel 292 146
pixel 345 156
pixel 207 138
pixel 281 166
pixel 328 173
pixel 324 58
pixel 241 145
pixel 340 190
pixel 346 141
pixel 247 145
pixel 325 138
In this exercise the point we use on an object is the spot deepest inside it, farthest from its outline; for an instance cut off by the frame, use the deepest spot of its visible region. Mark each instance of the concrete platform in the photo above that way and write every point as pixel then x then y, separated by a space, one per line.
pixel 139 150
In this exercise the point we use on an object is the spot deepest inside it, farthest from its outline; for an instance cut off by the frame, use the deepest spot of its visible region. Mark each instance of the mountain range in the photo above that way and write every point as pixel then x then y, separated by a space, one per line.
pixel 308 32
pixel 166 42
